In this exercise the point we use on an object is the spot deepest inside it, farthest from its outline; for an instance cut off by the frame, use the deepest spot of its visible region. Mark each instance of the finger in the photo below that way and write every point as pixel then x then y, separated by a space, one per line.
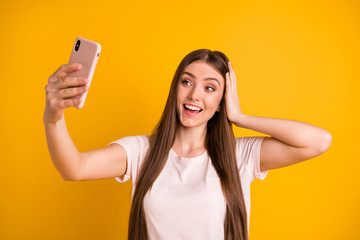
pixel 233 77
pixel 229 85
pixel 69 68
pixel 67 103
pixel 228 82
pixel 71 92
pixel 64 70
pixel 67 82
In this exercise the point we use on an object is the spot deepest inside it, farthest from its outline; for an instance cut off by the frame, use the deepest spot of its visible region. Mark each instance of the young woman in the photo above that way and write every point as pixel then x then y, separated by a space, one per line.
pixel 191 177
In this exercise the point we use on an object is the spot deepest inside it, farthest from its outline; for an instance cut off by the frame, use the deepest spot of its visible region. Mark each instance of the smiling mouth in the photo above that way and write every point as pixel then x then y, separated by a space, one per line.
pixel 192 108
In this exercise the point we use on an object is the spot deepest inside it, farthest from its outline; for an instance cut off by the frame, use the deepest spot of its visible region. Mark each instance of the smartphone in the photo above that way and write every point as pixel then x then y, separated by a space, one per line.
pixel 86 53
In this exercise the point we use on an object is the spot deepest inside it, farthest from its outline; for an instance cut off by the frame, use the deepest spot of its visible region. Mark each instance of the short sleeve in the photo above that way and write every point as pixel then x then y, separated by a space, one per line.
pixel 248 156
pixel 135 148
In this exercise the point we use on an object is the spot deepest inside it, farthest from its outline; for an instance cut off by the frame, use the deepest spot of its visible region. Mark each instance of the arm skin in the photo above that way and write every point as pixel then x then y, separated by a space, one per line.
pixel 63 152
pixel 107 162
pixel 290 141
pixel 102 163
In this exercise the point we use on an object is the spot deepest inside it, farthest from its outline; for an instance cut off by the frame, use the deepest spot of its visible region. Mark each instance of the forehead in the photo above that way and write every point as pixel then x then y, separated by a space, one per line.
pixel 203 70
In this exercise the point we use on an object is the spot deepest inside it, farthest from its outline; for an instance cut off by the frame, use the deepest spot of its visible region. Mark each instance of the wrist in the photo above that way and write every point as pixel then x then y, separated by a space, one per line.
pixel 239 119
pixel 52 117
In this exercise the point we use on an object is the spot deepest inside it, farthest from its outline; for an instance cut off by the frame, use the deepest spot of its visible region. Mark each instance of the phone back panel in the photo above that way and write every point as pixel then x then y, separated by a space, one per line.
pixel 87 54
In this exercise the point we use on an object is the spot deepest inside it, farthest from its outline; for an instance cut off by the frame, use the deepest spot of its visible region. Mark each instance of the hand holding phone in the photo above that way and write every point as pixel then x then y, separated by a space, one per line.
pixel 86 53
pixel 67 86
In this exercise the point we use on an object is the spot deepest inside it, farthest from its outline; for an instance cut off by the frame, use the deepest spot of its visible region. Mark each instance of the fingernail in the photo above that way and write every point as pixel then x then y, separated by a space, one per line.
pixel 77 65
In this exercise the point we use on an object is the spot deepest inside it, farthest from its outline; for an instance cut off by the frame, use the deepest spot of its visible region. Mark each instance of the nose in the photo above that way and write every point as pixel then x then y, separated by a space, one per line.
pixel 195 94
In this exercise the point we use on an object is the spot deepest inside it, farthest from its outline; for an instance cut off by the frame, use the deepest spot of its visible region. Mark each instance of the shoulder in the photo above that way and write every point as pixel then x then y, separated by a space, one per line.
pixel 248 148
pixel 248 156
pixel 133 140
pixel 248 142
pixel 134 146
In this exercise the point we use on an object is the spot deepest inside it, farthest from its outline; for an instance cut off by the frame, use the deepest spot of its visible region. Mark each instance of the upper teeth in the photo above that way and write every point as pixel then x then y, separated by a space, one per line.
pixel 192 107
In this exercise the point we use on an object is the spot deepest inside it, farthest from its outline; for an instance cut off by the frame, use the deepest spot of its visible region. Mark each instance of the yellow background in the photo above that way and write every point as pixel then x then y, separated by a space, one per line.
pixel 293 59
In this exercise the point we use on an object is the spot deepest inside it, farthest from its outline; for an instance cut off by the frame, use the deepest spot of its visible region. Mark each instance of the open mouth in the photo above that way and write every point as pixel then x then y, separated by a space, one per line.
pixel 192 108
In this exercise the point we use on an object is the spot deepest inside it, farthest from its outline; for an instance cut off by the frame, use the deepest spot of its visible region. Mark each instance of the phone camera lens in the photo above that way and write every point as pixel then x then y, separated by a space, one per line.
pixel 77 45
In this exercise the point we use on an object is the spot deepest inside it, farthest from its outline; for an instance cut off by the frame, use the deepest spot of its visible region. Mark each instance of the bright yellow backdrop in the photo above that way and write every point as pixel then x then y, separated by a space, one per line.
pixel 296 61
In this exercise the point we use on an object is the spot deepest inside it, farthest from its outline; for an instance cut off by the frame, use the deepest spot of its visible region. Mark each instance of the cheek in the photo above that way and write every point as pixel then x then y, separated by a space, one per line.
pixel 180 93
pixel 214 102
pixel 178 96
pixel 179 99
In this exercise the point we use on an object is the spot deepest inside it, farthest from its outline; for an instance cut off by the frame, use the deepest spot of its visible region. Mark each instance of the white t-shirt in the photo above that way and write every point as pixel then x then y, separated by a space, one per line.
pixel 186 200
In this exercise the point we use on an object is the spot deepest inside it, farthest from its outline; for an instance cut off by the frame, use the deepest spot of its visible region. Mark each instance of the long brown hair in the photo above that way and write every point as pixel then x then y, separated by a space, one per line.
pixel 220 144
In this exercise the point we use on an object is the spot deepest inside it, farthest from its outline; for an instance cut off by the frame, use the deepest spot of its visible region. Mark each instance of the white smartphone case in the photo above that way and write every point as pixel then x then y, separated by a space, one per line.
pixel 86 53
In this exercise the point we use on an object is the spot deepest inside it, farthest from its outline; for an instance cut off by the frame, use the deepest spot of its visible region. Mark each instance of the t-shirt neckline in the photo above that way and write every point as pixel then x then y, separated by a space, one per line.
pixel 201 156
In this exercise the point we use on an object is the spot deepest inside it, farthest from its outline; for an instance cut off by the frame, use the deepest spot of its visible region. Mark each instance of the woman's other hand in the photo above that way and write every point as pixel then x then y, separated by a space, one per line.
pixel 231 96
pixel 63 91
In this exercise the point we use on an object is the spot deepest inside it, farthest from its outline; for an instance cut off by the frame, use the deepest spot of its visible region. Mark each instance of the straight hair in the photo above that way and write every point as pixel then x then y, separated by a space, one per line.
pixel 219 143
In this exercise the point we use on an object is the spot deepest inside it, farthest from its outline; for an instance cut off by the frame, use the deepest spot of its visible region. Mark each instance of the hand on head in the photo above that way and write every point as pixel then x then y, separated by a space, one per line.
pixel 231 95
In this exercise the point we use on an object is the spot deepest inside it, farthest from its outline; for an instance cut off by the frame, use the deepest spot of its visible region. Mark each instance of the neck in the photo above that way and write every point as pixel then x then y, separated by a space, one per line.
pixel 190 142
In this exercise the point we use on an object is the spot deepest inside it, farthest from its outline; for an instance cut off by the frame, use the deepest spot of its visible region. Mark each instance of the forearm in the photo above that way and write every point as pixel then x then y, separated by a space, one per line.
pixel 294 133
pixel 62 149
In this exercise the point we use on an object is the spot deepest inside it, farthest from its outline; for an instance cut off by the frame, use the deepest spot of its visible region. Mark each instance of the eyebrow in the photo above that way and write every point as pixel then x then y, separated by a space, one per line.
pixel 208 78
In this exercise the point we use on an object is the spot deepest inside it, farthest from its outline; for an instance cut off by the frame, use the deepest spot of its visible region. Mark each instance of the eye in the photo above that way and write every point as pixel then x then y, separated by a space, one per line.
pixel 210 89
pixel 186 82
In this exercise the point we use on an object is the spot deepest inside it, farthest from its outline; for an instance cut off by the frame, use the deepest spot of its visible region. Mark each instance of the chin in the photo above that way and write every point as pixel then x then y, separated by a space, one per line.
pixel 191 124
